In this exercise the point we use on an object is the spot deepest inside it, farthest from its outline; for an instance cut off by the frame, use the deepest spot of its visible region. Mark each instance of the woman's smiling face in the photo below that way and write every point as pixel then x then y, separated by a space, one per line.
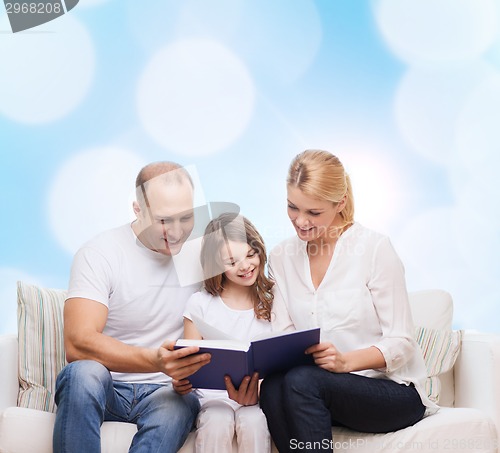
pixel 312 218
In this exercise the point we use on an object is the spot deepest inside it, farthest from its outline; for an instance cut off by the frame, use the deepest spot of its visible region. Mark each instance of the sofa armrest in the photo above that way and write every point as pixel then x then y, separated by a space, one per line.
pixel 9 384
pixel 477 374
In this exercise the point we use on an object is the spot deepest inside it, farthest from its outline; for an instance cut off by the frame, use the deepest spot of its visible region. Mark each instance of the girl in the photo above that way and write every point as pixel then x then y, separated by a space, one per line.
pixel 236 299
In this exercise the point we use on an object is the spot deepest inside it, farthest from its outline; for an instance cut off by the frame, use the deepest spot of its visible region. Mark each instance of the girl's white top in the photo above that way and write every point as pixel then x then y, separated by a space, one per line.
pixel 239 324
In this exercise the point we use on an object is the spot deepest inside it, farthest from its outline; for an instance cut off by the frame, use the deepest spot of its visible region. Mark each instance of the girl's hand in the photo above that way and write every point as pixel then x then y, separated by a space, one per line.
pixel 182 387
pixel 248 392
pixel 328 357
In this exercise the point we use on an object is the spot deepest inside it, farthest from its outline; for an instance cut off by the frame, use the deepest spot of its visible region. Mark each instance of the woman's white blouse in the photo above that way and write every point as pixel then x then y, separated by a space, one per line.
pixel 362 301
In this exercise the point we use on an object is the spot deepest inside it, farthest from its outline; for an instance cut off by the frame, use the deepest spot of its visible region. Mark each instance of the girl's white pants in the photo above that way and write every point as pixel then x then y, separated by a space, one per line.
pixel 220 420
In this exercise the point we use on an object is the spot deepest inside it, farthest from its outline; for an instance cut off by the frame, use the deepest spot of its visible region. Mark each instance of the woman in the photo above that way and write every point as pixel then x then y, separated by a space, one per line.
pixel 348 280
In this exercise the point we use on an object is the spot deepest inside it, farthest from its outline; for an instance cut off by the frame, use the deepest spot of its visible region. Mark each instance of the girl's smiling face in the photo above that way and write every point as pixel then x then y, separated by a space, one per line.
pixel 240 262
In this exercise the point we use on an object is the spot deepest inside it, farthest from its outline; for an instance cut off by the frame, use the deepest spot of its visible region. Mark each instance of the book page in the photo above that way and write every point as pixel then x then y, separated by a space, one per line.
pixel 230 345
pixel 209 332
pixel 264 335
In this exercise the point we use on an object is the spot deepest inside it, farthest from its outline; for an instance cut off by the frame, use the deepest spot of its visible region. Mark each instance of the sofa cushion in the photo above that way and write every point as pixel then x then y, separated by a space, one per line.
pixel 16 421
pixel 440 348
pixel 431 308
pixel 457 430
pixel 41 344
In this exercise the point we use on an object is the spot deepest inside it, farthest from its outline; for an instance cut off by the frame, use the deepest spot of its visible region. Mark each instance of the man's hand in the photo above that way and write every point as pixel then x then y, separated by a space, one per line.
pixel 182 387
pixel 248 391
pixel 180 363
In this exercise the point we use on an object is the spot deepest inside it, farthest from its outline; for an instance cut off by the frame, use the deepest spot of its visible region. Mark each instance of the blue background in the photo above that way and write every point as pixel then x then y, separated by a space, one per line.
pixel 405 92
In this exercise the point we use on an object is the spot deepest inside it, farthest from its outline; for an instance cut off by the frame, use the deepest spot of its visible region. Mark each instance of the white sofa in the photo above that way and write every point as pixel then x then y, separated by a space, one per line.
pixel 471 390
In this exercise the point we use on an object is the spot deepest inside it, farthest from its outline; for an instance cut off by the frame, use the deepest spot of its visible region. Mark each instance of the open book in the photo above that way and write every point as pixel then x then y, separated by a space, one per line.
pixel 268 353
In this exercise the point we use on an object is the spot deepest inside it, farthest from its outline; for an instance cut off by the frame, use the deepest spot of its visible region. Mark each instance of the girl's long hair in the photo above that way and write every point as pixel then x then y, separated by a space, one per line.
pixel 234 227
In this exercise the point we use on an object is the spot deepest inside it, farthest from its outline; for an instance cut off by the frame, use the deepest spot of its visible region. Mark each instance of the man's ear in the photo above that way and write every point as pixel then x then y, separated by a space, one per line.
pixel 136 208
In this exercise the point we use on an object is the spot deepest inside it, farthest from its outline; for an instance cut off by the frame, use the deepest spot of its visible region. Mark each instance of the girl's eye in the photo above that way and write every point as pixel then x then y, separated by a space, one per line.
pixel 291 207
pixel 315 213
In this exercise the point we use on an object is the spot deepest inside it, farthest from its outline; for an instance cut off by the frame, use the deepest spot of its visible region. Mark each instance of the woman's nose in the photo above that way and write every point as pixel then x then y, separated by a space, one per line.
pixel 301 220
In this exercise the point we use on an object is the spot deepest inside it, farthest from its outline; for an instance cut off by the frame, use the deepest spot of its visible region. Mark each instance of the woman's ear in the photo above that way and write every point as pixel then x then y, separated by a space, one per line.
pixel 341 204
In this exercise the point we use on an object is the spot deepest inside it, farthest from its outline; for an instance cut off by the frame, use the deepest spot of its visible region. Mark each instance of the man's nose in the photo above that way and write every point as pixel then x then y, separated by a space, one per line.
pixel 174 231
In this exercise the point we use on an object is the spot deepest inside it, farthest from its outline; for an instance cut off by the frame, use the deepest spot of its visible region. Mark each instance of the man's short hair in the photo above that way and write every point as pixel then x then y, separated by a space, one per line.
pixel 169 172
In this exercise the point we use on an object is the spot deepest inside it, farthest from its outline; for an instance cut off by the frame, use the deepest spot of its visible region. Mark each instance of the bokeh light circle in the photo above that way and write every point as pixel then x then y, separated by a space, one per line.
pixel 91 192
pixel 45 75
pixel 195 97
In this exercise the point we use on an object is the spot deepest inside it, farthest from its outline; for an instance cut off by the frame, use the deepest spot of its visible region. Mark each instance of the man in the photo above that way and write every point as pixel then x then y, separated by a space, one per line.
pixel 124 301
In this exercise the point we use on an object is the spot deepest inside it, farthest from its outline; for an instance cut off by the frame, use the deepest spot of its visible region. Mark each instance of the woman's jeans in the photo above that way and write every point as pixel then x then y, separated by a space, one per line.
pixel 303 404
pixel 86 396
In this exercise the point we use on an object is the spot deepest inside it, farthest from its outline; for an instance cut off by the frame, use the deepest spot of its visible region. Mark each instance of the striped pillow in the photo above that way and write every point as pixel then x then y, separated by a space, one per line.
pixel 41 344
pixel 440 349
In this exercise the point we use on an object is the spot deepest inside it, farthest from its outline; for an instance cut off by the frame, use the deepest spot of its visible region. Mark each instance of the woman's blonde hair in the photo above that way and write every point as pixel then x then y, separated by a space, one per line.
pixel 319 174
pixel 233 227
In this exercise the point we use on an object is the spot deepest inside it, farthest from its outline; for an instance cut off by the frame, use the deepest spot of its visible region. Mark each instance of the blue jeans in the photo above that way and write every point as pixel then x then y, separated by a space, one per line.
pixel 86 396
pixel 303 404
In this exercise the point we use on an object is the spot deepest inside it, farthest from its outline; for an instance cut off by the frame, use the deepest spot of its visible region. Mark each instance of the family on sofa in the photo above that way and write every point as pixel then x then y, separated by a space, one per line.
pixel 125 308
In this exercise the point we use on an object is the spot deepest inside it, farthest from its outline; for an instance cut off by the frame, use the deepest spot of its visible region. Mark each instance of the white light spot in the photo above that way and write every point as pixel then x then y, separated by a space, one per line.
pixel 90 193
pixel 376 187
pixel 45 75
pixel 428 103
pixel 281 41
pixel 195 97
pixel 437 30
pixel 445 248
pixel 474 171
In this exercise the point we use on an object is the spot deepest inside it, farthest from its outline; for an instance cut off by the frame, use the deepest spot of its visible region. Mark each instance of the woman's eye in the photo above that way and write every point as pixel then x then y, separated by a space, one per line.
pixel 315 213
pixel 291 207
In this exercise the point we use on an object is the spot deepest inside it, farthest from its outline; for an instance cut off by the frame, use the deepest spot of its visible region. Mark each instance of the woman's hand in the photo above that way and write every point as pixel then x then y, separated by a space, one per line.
pixel 248 391
pixel 328 357
pixel 182 387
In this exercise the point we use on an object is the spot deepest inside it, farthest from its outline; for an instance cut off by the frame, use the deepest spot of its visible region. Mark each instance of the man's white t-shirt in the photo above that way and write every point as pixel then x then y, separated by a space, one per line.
pixel 139 287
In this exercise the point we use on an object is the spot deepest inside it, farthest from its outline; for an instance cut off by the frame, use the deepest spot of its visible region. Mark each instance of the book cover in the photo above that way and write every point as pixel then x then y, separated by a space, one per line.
pixel 276 351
